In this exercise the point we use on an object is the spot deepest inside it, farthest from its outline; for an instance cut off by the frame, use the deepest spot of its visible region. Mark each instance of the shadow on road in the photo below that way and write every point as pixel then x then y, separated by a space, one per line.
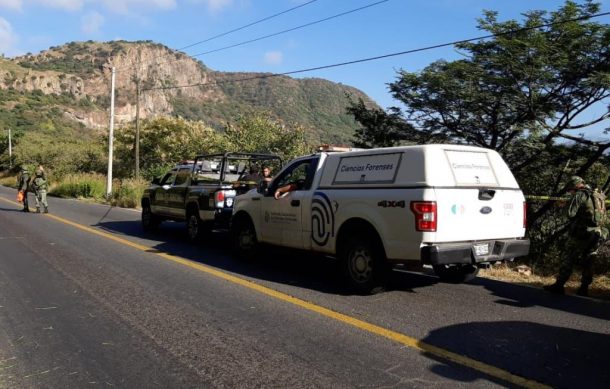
pixel 11 209
pixel 320 273
pixel 291 267
pixel 556 356
pixel 524 297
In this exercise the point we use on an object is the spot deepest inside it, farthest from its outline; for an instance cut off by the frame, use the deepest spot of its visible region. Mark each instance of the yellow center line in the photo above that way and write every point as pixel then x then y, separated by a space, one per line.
pixel 360 324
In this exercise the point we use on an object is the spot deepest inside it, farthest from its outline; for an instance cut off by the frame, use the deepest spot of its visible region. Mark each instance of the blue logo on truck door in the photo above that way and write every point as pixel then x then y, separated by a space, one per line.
pixel 322 218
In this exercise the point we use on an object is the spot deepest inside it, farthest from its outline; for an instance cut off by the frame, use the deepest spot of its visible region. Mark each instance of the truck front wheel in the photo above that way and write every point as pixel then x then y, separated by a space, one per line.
pixel 245 244
pixel 150 221
pixel 456 274
pixel 364 267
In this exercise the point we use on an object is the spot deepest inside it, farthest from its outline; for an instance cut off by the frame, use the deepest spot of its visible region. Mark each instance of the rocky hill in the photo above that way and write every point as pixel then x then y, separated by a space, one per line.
pixel 70 84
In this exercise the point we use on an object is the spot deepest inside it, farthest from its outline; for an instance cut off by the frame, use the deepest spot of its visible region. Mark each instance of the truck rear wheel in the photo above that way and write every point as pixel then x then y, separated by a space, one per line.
pixel 150 221
pixel 456 274
pixel 364 267
pixel 245 243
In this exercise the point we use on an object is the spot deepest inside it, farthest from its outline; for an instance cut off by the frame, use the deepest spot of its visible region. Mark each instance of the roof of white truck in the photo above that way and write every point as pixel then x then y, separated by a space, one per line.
pixel 433 165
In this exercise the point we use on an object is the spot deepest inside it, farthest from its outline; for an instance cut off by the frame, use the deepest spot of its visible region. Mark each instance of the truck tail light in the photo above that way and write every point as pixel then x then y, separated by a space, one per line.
pixel 219 199
pixel 425 215
pixel 524 214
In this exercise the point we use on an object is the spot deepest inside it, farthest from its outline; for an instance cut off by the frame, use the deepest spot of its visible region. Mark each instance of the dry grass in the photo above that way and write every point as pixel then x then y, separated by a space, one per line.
pixel 508 273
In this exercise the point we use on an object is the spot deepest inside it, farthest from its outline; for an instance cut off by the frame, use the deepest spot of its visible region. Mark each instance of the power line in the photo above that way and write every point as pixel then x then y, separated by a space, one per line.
pixel 288 30
pixel 229 32
pixel 264 76
pixel 247 25
pixel 292 29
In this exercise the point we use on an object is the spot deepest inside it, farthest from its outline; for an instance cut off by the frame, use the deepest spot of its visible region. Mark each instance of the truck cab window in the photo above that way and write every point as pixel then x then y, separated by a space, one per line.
pixel 300 174
pixel 168 179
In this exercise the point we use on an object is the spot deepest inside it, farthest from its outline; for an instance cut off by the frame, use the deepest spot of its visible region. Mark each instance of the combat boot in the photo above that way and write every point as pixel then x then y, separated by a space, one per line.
pixel 37 209
pixel 555 288
pixel 46 210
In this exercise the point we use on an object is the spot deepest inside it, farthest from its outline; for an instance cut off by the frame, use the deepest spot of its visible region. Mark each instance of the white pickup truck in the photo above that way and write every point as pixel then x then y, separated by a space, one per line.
pixel 454 207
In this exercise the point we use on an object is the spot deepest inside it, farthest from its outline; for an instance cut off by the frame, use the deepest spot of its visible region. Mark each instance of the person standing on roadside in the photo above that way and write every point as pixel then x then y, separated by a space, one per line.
pixel 586 234
pixel 39 185
pixel 23 181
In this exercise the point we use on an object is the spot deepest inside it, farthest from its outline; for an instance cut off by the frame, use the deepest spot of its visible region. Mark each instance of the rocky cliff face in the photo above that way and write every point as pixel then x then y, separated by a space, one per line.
pixel 155 66
pixel 82 71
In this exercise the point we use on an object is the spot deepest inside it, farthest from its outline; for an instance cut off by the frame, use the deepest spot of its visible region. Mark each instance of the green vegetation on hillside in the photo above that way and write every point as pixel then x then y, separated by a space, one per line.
pixel 318 105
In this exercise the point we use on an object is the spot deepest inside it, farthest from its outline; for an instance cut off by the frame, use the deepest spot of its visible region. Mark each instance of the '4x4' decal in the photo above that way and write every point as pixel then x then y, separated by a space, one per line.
pixel 391 204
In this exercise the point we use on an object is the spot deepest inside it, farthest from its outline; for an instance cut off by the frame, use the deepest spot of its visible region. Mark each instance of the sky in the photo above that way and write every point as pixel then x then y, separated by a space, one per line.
pixel 381 27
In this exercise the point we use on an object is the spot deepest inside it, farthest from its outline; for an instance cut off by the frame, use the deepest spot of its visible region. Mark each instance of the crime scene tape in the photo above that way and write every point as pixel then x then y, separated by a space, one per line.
pixel 550 198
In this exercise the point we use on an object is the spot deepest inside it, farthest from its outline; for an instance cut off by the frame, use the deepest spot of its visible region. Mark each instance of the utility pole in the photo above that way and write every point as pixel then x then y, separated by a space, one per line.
pixel 137 140
pixel 10 150
pixel 110 137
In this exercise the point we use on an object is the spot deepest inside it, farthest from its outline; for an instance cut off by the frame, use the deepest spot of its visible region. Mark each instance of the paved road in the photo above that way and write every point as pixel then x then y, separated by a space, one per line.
pixel 88 299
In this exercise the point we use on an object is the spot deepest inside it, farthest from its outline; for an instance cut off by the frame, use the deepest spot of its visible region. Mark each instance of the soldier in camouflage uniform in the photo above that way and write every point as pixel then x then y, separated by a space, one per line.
pixel 39 185
pixel 23 182
pixel 584 238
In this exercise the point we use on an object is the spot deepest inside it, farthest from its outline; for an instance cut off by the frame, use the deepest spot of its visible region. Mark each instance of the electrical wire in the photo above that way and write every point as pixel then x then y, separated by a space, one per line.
pixel 226 33
pixel 483 37
pixel 284 31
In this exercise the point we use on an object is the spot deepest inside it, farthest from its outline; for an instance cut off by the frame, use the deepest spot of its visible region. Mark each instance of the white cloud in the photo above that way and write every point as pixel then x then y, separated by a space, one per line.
pixel 91 22
pixel 125 6
pixel 67 5
pixel 215 6
pixel 274 57
pixel 7 37
pixel 11 4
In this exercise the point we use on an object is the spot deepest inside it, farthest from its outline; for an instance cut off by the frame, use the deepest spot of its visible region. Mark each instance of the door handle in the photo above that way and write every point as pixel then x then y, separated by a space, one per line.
pixel 295 203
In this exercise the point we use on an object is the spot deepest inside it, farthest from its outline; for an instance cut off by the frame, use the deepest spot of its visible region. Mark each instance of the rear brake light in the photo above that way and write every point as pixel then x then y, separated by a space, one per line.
pixel 425 215
pixel 219 199
pixel 524 214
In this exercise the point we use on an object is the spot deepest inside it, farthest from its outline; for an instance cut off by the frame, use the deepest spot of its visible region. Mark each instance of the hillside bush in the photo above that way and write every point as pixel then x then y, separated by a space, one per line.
pixel 89 186
pixel 128 193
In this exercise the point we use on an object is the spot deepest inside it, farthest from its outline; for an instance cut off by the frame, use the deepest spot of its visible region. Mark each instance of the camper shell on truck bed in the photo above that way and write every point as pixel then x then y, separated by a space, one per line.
pixel 454 207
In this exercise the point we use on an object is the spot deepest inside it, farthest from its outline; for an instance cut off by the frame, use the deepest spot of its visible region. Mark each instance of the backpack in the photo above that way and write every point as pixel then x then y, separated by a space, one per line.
pixel 599 208
pixel 39 182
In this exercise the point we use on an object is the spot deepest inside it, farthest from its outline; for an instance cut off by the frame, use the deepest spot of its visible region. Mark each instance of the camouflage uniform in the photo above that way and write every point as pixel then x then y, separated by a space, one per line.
pixel 39 185
pixel 584 239
pixel 22 185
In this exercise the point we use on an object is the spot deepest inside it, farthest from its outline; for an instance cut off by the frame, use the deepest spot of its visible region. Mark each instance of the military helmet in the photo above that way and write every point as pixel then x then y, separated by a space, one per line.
pixel 575 181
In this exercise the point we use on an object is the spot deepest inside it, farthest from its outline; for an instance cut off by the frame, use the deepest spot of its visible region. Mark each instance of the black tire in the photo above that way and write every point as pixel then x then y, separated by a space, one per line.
pixel 196 230
pixel 245 243
pixel 456 274
pixel 150 221
pixel 365 270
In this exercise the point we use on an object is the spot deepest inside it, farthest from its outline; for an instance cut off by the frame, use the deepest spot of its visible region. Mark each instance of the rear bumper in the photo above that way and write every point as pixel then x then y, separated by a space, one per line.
pixel 464 252
pixel 222 218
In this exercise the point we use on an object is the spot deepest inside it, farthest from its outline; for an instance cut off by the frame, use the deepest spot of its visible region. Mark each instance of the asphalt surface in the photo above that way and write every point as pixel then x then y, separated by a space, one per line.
pixel 80 309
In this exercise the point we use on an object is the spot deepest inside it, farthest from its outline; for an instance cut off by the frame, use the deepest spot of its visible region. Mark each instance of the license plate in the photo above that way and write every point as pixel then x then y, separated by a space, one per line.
pixel 481 249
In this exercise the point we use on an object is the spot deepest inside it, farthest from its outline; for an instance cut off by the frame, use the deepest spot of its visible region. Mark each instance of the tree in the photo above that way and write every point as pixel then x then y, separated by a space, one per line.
pixel 527 82
pixel 258 132
pixel 164 141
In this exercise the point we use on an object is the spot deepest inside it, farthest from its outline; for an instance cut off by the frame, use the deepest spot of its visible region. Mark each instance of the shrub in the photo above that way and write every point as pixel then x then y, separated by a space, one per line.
pixel 80 186
pixel 128 193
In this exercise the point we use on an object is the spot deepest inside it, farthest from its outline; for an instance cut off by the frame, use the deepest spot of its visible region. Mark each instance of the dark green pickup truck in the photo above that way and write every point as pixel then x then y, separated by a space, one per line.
pixel 201 192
